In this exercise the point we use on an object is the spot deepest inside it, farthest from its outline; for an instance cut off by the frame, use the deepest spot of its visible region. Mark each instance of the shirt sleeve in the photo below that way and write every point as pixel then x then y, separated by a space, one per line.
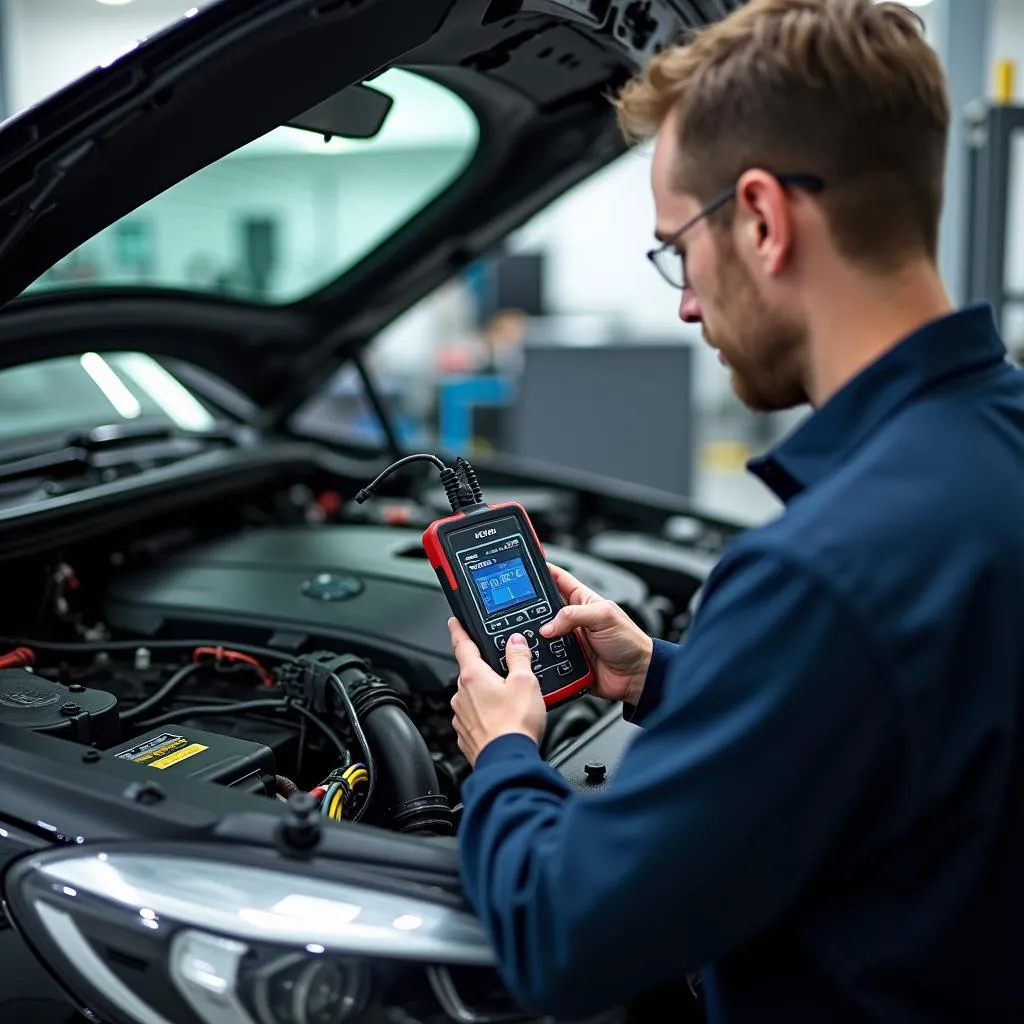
pixel 650 696
pixel 773 729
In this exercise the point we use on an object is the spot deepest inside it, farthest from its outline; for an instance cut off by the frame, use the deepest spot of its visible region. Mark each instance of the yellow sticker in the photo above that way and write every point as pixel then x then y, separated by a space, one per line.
pixel 178 755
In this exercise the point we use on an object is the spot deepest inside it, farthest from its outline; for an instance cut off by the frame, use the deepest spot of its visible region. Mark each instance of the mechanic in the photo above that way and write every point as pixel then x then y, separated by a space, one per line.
pixel 823 812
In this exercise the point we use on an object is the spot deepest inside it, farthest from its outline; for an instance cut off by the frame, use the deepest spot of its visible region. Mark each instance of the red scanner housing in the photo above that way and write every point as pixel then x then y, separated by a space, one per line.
pixel 493 571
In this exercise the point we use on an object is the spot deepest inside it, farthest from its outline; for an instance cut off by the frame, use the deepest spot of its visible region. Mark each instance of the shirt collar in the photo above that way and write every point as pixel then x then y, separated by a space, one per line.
pixel 951 345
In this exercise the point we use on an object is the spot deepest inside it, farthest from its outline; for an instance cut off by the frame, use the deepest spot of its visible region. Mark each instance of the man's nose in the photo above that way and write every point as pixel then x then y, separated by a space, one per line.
pixel 689 308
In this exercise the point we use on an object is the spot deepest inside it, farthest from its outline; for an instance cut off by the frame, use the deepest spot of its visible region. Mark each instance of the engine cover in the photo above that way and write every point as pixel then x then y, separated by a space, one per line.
pixel 368 589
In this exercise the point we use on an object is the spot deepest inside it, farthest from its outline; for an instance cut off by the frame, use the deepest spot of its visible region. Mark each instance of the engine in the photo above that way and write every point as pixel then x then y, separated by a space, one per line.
pixel 275 659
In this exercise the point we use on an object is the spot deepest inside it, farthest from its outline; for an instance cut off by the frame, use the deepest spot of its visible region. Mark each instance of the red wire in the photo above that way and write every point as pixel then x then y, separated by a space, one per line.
pixel 225 654
pixel 18 658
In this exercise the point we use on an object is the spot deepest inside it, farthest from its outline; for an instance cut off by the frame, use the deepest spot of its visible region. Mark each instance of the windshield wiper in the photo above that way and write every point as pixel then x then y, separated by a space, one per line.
pixel 113 435
pixel 102 449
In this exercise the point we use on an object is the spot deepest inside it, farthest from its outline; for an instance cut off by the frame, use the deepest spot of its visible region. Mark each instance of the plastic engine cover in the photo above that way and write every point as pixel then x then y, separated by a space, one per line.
pixel 72 712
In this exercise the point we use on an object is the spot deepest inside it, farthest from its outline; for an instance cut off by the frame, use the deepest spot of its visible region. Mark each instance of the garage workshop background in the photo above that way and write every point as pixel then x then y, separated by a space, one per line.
pixel 570 311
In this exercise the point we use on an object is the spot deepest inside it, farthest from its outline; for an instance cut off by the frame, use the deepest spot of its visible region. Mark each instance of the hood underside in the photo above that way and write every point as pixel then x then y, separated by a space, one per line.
pixel 213 83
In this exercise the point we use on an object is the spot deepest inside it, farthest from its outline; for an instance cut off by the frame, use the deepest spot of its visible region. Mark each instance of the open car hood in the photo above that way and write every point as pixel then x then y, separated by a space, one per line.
pixel 237 69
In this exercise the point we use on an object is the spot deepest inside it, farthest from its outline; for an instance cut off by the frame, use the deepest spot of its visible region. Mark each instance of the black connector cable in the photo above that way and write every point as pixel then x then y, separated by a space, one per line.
pixel 469 475
pixel 461 486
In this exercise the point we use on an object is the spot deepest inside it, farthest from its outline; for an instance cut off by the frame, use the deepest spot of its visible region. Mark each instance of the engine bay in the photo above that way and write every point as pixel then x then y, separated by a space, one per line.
pixel 293 642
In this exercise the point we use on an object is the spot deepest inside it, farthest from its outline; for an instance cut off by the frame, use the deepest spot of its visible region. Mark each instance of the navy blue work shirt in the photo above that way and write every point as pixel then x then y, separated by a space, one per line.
pixel 824 809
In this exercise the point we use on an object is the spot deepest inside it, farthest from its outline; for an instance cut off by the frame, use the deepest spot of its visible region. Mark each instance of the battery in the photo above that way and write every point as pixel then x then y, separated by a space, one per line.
pixel 212 757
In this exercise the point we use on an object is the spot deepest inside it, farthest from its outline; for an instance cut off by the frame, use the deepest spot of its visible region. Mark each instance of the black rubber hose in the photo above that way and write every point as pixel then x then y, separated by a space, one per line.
pixel 154 701
pixel 84 646
pixel 400 746
pixel 416 803
pixel 217 709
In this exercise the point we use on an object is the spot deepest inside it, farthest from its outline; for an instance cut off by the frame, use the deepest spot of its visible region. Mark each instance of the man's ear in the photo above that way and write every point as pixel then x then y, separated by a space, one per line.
pixel 764 222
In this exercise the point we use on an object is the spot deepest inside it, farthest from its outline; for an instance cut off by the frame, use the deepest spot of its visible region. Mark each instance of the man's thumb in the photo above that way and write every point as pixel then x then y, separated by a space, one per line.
pixel 517 653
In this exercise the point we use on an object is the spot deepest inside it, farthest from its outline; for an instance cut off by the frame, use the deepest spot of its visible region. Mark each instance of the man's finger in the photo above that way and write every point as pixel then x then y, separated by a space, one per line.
pixel 598 615
pixel 463 648
pixel 569 587
pixel 455 630
pixel 518 655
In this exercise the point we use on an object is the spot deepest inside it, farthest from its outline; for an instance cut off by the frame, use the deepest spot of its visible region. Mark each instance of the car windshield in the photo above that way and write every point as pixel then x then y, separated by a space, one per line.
pixel 289 213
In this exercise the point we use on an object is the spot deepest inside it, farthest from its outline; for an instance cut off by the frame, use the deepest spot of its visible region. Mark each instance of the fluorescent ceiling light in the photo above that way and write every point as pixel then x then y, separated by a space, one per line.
pixel 113 3
pixel 115 389
pixel 170 395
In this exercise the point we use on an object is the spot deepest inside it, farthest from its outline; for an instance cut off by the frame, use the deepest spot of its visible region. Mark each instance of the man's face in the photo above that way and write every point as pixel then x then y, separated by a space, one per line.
pixel 758 336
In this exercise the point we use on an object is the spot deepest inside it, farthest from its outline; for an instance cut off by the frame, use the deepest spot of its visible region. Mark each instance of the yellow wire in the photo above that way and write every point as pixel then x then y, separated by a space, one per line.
pixel 351 778
pixel 337 806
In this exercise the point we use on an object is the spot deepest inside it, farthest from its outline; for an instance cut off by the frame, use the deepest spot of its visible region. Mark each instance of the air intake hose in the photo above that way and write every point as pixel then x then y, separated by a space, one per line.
pixel 408 777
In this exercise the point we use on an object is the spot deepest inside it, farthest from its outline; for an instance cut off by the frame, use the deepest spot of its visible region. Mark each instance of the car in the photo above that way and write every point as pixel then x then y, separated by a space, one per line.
pixel 229 784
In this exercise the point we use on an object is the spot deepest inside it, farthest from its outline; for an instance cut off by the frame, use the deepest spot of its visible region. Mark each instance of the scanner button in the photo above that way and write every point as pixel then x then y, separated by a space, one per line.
pixel 504 664
pixel 499 642
pixel 565 668
pixel 531 637
pixel 539 609
pixel 494 625
pixel 518 619
pixel 557 648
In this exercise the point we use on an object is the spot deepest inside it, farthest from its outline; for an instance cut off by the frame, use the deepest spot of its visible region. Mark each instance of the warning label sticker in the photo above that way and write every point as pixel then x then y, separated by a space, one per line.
pixel 179 755
pixel 162 751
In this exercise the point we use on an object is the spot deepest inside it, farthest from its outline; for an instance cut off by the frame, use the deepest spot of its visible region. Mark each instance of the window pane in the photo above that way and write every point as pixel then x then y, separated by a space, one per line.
pixel 289 213
pixel 81 392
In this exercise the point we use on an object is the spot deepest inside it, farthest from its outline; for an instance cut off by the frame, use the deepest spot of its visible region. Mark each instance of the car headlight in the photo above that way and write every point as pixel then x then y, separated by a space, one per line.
pixel 156 937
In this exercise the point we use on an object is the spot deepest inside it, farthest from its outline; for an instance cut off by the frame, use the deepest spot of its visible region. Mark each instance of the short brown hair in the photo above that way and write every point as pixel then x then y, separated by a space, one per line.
pixel 848 90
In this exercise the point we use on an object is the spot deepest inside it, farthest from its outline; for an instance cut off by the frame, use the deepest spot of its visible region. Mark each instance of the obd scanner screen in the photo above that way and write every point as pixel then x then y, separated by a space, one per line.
pixel 502 574
pixel 503 584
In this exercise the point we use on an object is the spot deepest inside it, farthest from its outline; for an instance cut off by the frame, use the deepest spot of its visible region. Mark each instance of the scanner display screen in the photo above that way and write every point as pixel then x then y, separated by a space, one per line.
pixel 503 584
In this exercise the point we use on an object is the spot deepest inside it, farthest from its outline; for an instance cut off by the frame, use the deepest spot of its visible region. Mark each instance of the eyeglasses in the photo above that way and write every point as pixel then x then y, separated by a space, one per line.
pixel 671 263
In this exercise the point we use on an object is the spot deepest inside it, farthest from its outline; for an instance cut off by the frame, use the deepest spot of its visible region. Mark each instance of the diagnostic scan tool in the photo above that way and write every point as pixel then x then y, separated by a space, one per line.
pixel 492 570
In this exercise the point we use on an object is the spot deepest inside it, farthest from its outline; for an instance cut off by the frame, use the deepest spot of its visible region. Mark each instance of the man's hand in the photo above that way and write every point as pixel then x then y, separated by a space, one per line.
pixel 619 649
pixel 487 706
